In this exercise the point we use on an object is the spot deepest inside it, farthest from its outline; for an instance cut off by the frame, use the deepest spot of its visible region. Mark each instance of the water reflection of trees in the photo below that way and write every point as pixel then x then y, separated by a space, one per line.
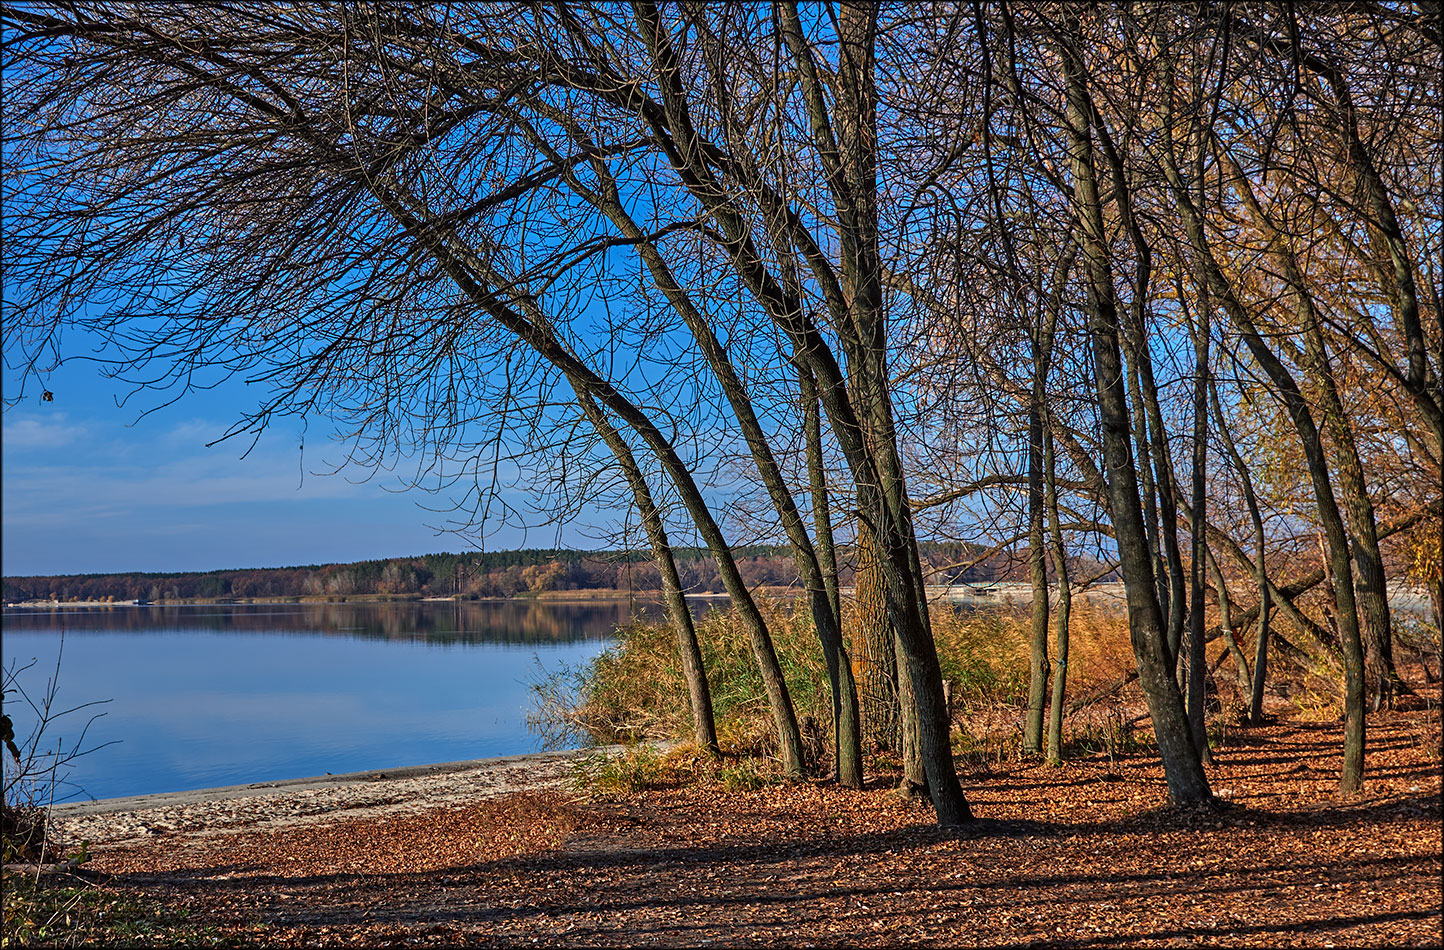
pixel 513 622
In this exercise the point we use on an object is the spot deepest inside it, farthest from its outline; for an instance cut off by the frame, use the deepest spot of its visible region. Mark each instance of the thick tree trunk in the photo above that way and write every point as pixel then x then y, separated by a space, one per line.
pixel 910 749
pixel 876 647
pixel 846 136
pixel 1186 780
pixel 903 573
pixel 849 149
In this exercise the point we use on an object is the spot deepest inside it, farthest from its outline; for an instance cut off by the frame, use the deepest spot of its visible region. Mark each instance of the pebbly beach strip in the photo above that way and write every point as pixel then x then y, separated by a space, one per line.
pixel 118 822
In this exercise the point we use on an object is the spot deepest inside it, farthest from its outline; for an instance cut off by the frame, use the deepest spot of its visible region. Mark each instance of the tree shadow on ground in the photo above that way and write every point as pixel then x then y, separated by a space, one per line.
pixel 628 876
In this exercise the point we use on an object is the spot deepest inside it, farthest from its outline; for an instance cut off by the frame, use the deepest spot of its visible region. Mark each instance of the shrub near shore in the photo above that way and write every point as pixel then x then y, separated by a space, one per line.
pixel 635 691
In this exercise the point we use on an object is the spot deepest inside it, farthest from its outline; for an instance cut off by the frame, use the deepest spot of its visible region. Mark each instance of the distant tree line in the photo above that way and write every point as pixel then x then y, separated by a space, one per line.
pixel 489 574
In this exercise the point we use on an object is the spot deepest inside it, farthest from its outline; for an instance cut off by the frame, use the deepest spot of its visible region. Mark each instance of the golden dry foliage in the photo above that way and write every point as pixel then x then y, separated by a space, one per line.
pixel 635 691
pixel 985 651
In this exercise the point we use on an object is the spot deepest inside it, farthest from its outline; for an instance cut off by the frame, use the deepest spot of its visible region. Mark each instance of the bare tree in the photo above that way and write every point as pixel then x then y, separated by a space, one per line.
pixel 801 253
pixel 415 185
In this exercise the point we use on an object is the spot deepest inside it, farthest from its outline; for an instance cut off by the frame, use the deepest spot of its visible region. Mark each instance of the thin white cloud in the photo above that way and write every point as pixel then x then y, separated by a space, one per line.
pixel 29 432
pixel 185 482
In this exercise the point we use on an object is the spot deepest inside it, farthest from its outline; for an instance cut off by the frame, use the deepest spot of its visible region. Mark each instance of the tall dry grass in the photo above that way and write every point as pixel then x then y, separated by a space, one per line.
pixel 984 651
pixel 635 690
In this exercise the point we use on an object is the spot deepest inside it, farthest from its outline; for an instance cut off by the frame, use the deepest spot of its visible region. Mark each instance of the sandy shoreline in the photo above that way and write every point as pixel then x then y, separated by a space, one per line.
pixel 202 813
pixel 588 596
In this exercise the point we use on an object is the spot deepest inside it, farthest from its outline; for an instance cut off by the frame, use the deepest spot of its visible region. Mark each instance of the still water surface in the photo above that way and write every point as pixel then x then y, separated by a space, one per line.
pixel 201 696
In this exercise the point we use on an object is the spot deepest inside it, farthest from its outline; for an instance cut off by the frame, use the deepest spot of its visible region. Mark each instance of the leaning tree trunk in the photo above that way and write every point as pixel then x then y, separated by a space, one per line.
pixel 847 735
pixel 826 622
pixel 531 326
pixel 1059 554
pixel 1225 625
pixel 1339 563
pixel 1173 594
pixel 1261 577
pixel 1144 458
pixel 1186 780
pixel 1381 677
pixel 688 650
pixel 865 432
pixel 585 383
pixel 817 487
pixel 1143 389
pixel 1338 559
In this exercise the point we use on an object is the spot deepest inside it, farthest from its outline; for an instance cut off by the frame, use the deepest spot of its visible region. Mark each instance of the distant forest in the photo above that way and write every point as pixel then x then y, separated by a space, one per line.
pixel 494 574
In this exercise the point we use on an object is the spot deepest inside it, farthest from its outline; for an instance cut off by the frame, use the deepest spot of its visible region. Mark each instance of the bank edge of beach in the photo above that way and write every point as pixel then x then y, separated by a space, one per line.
pixel 315 799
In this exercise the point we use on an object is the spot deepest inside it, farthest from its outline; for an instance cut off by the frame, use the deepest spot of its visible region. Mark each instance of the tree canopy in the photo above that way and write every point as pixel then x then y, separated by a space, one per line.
pixel 1156 283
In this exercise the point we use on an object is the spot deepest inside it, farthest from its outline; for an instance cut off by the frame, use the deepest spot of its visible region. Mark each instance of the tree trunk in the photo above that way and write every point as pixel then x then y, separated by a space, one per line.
pixel 847 735
pixel 535 333
pixel 1381 677
pixel 879 688
pixel 1261 579
pixel 1197 714
pixel 817 481
pixel 1065 605
pixel 1338 559
pixel 849 150
pixel 1143 390
pixel 1037 575
pixel 1225 625
pixel 1144 462
pixel 1173 593
pixel 1186 781
pixel 531 326
pixel 827 622
pixel 703 723
pixel 1043 502
pixel 914 770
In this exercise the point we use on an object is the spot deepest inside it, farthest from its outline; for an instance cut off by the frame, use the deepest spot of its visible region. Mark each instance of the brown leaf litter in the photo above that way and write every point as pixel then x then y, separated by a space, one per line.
pixel 1087 855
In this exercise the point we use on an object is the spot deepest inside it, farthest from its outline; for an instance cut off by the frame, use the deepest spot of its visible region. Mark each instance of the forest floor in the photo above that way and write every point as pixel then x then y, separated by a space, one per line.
pixel 1085 855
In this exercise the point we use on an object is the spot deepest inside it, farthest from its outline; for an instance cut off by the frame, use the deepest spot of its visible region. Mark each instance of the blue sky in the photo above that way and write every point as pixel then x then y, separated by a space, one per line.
pixel 89 487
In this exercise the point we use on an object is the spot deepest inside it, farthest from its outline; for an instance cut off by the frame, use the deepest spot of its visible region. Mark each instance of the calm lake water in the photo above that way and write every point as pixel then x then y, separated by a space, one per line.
pixel 201 696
